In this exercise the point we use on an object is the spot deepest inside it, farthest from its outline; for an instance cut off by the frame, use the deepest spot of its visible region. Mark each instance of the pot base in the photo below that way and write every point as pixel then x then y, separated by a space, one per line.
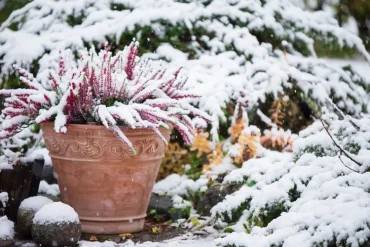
pixel 112 227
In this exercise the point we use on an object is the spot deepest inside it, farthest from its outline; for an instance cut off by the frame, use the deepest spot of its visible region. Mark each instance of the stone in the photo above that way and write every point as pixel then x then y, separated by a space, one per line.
pixel 56 224
pixel 27 211
pixel 214 195
pixel 161 204
pixel 56 234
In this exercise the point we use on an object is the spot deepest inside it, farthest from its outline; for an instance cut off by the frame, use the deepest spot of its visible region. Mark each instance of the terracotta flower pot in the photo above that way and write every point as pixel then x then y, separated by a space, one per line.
pixel 107 185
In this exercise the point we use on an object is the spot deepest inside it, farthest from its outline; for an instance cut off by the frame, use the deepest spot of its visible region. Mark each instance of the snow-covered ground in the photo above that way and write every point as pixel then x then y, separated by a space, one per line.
pixel 176 242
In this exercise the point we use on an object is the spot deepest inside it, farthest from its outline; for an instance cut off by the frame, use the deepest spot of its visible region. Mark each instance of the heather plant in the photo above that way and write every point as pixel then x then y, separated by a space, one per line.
pixel 114 90
pixel 256 50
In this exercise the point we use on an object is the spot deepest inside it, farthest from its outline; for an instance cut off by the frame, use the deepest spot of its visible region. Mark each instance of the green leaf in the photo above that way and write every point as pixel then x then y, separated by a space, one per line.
pixel 152 212
pixel 194 221
pixel 251 183
pixel 228 230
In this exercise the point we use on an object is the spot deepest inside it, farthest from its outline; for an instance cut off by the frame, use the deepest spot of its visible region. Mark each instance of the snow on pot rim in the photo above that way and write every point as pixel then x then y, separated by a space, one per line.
pixel 54 213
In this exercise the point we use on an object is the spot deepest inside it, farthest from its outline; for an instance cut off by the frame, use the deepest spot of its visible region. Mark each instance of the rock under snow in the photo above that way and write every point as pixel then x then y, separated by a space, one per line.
pixel 27 211
pixel 56 224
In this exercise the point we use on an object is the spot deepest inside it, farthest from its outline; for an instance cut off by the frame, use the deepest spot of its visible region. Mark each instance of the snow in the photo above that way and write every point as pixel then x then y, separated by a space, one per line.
pixel 8 159
pixel 171 182
pixel 50 189
pixel 79 91
pixel 359 65
pixel 175 184
pixel 35 203
pixel 4 198
pixel 219 73
pixel 55 213
pixel 177 242
pixel 318 197
pixel 6 228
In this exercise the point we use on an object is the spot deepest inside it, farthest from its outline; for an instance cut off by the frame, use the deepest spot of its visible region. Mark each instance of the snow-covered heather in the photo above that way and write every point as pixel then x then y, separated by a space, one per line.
pixel 35 203
pixel 230 58
pixel 305 198
pixel 113 90
pixel 6 228
pixel 54 213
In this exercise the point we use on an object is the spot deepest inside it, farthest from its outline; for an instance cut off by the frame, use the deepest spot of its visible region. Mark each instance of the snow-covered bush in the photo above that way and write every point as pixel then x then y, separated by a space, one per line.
pixel 259 53
pixel 112 90
pixel 253 50
pixel 23 147
pixel 317 196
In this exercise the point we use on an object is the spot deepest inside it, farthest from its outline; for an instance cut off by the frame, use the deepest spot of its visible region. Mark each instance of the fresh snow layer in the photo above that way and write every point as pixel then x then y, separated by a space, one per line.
pixel 4 198
pixel 221 71
pixel 50 189
pixel 360 66
pixel 35 203
pixel 316 198
pixel 175 184
pixel 208 242
pixel 6 229
pixel 54 213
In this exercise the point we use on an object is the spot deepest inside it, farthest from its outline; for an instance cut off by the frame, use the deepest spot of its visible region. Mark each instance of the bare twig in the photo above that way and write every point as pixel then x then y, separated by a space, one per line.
pixel 342 151
pixel 346 165
pixel 342 114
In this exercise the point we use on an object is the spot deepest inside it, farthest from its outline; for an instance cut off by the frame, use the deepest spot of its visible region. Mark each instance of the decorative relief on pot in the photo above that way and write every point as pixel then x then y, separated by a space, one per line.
pixel 149 147
pixel 100 148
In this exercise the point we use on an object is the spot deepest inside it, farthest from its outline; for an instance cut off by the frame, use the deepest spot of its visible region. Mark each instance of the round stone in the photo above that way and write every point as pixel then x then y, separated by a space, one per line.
pixel 56 224
pixel 27 211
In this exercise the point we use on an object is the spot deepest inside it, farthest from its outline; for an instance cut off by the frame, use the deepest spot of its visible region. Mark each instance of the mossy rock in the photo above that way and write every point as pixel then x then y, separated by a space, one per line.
pixel 56 233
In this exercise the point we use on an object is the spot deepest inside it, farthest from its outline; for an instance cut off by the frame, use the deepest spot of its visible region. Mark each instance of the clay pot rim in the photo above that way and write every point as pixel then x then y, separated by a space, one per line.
pixel 125 129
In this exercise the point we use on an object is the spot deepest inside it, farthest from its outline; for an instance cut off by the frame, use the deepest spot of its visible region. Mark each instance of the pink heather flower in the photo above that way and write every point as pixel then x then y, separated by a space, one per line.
pixel 108 89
